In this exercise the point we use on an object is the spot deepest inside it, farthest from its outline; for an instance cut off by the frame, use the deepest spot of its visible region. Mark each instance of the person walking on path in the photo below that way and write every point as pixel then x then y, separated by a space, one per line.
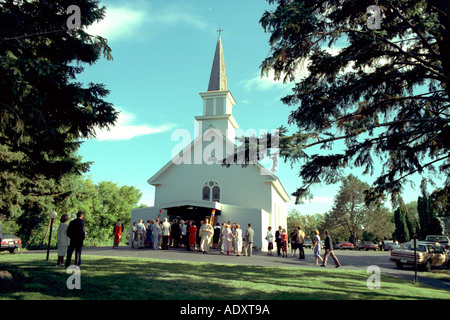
pixel 301 242
pixel 77 234
pixel 249 240
pixel 329 251
pixel 62 240
pixel 317 245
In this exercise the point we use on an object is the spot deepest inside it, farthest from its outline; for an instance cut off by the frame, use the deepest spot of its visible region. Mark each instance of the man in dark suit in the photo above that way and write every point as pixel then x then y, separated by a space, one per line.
pixel 278 240
pixel 329 251
pixel 76 233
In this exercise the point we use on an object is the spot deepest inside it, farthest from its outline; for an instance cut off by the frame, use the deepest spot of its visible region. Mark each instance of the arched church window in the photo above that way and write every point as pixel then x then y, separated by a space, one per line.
pixel 206 193
pixel 211 187
pixel 216 193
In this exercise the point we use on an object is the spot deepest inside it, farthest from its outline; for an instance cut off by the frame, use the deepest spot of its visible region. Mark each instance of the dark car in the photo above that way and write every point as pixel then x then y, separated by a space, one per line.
pixel 366 245
pixel 442 240
pixel 11 243
pixel 308 243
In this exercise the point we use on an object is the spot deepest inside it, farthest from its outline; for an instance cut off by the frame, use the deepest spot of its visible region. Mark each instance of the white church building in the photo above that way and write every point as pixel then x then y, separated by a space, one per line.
pixel 195 181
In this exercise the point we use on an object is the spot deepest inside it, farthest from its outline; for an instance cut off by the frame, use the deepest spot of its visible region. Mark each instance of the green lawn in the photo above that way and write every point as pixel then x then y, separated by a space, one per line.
pixel 142 278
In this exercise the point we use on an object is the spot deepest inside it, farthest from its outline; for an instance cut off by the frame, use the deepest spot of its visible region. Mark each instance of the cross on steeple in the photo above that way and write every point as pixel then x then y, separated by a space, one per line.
pixel 219 31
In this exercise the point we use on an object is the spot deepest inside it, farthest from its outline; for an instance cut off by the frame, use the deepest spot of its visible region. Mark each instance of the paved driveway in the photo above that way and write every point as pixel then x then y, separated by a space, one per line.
pixel 350 260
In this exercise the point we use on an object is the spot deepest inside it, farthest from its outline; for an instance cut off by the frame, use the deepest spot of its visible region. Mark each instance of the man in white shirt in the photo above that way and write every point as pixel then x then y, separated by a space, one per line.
pixel 206 232
pixel 166 234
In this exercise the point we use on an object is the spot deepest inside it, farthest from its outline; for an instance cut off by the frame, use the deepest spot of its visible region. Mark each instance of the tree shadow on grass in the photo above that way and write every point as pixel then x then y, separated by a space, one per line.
pixel 147 279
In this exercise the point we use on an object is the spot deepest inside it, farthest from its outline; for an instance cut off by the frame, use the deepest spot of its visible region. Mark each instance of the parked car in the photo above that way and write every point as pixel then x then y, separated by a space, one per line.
pixel 389 245
pixel 11 243
pixel 344 245
pixel 366 245
pixel 443 240
pixel 308 243
pixel 427 254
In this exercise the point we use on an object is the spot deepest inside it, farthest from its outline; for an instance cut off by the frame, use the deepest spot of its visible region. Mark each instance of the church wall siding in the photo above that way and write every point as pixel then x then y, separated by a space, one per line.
pixel 238 186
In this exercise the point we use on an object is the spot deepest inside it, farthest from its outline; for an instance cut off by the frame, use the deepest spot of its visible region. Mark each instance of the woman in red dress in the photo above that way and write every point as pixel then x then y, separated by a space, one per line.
pixel 284 238
pixel 192 236
pixel 118 230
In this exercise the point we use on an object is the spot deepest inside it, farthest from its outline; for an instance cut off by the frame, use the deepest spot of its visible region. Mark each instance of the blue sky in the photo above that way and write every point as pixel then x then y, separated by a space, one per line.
pixel 163 53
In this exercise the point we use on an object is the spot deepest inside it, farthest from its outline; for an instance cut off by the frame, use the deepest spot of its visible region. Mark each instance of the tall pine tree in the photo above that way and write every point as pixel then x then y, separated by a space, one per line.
pixel 430 224
pixel 44 110
pixel 365 94
pixel 401 232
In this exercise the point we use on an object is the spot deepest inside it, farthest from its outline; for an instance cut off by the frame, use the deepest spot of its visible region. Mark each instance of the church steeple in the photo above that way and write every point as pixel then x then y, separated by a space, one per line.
pixel 218 101
pixel 218 79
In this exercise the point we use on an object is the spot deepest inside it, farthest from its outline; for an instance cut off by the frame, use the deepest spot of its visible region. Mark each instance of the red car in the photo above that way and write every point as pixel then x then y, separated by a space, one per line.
pixel 366 245
pixel 344 245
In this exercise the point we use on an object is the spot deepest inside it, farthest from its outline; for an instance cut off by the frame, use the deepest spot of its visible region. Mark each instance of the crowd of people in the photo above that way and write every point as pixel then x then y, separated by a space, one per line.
pixel 157 234
pixel 297 240
pixel 229 238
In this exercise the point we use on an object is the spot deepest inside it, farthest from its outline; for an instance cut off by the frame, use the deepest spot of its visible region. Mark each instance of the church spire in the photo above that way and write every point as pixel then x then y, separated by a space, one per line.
pixel 218 79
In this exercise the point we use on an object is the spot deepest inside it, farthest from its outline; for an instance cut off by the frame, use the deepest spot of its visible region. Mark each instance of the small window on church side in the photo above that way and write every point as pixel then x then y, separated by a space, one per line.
pixel 206 193
pixel 216 194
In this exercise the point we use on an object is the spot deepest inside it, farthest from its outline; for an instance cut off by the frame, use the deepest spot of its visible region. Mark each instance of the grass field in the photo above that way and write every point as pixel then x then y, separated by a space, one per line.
pixel 142 279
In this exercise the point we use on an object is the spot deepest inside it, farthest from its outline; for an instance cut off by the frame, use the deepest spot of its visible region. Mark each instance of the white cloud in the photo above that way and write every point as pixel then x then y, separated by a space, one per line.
pixel 123 22
pixel 176 15
pixel 119 22
pixel 263 83
pixel 323 200
pixel 126 128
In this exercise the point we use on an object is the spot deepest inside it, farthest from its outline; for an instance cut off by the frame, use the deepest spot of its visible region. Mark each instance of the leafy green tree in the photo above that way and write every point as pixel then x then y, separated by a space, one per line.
pixel 307 222
pixel 103 203
pixel 350 216
pixel 364 94
pixel 379 224
pixel 44 111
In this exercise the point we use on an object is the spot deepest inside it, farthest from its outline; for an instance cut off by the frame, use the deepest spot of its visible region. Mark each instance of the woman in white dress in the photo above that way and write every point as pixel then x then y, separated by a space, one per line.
pixel 227 239
pixel 62 240
pixel 317 247
pixel 238 239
